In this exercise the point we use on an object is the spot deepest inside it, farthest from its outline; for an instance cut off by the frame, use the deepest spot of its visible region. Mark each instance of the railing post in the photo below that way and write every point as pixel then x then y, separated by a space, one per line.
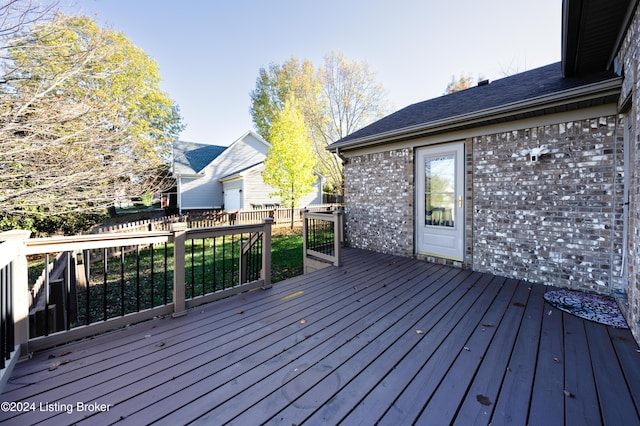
pixel 305 230
pixel 179 240
pixel 265 273
pixel 20 288
pixel 340 210
pixel 337 237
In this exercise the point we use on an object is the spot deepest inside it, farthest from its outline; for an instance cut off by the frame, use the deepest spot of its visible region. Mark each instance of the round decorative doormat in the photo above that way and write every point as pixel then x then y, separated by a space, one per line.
pixel 591 306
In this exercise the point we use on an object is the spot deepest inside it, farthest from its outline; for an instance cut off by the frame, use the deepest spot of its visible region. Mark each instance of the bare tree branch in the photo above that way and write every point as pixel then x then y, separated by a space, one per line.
pixel 82 119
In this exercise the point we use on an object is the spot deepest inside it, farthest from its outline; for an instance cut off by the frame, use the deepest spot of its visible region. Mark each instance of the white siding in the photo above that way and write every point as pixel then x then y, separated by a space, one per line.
pixel 197 193
pixel 242 153
pixel 257 192
pixel 314 197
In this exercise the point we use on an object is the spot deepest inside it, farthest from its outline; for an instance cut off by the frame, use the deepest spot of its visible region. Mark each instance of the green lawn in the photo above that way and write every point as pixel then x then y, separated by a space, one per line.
pixel 286 261
pixel 286 256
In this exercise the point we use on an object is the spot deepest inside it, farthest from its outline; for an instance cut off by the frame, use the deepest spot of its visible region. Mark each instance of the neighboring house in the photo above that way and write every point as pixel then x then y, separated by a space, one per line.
pixel 533 176
pixel 211 177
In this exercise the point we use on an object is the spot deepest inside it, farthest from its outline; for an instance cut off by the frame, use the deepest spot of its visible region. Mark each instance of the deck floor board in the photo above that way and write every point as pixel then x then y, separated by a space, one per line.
pixel 548 397
pixel 377 357
pixel 579 392
pixel 446 399
pixel 433 354
pixel 381 339
pixel 512 405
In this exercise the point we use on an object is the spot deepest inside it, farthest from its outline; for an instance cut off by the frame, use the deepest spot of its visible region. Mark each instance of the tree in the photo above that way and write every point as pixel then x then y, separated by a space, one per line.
pixel 461 83
pixel 15 15
pixel 82 118
pixel 276 84
pixel 288 167
pixel 354 99
pixel 336 100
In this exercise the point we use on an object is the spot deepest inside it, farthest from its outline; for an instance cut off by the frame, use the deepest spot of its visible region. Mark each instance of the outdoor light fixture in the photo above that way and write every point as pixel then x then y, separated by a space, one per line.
pixel 535 153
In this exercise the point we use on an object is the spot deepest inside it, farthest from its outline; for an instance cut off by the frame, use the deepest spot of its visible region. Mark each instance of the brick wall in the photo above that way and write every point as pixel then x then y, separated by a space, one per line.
pixel 629 56
pixel 556 221
pixel 379 201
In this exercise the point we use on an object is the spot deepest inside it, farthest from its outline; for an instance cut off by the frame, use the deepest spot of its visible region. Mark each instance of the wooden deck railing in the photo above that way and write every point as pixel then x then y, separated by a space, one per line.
pixel 13 265
pixel 112 280
pixel 322 239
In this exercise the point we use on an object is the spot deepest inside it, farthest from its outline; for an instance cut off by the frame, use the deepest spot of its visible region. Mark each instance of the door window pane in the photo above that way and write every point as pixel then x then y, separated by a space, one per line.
pixel 440 190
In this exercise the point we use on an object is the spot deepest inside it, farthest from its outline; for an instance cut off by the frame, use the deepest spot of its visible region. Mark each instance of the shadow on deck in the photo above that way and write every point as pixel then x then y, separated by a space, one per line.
pixel 381 339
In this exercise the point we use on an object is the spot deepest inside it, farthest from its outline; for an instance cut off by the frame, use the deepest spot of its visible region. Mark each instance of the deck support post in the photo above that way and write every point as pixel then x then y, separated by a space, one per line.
pixel 179 239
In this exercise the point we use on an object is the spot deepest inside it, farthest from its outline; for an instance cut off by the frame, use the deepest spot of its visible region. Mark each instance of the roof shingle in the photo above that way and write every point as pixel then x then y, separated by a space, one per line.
pixel 191 157
pixel 524 86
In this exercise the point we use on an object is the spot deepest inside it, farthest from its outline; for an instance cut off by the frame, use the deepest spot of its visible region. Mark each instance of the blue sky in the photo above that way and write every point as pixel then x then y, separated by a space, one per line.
pixel 210 51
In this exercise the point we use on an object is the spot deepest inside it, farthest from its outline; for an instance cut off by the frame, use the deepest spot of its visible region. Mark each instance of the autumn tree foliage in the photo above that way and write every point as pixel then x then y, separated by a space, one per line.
pixel 459 83
pixel 275 85
pixel 335 99
pixel 290 161
pixel 82 118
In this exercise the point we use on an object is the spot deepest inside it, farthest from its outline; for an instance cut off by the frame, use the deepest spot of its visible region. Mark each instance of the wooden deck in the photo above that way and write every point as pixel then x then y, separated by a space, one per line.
pixel 382 339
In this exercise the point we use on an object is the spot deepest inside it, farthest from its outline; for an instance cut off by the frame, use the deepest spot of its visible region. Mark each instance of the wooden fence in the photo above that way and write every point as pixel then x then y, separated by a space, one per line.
pixel 280 216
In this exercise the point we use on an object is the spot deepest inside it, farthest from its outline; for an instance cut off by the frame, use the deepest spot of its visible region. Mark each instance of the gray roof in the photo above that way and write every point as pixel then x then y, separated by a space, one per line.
pixel 478 102
pixel 191 157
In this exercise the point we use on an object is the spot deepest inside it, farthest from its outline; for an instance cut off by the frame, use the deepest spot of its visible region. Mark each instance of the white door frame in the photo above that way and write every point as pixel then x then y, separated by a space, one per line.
pixel 445 238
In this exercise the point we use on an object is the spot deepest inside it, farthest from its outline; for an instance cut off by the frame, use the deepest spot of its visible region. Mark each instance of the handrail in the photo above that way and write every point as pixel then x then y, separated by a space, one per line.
pixel 92 241
pixel 8 251
pixel 218 231
pixel 110 249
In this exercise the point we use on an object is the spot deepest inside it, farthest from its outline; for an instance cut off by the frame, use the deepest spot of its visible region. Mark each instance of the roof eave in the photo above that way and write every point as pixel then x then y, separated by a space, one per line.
pixel 631 10
pixel 188 175
pixel 586 31
pixel 570 19
pixel 477 118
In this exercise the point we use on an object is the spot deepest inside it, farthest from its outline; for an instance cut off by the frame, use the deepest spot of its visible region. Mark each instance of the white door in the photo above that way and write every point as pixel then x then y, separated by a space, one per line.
pixel 232 199
pixel 440 201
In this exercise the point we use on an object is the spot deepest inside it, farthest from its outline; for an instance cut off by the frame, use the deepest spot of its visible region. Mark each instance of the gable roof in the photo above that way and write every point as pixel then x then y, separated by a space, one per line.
pixel 536 92
pixel 189 158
